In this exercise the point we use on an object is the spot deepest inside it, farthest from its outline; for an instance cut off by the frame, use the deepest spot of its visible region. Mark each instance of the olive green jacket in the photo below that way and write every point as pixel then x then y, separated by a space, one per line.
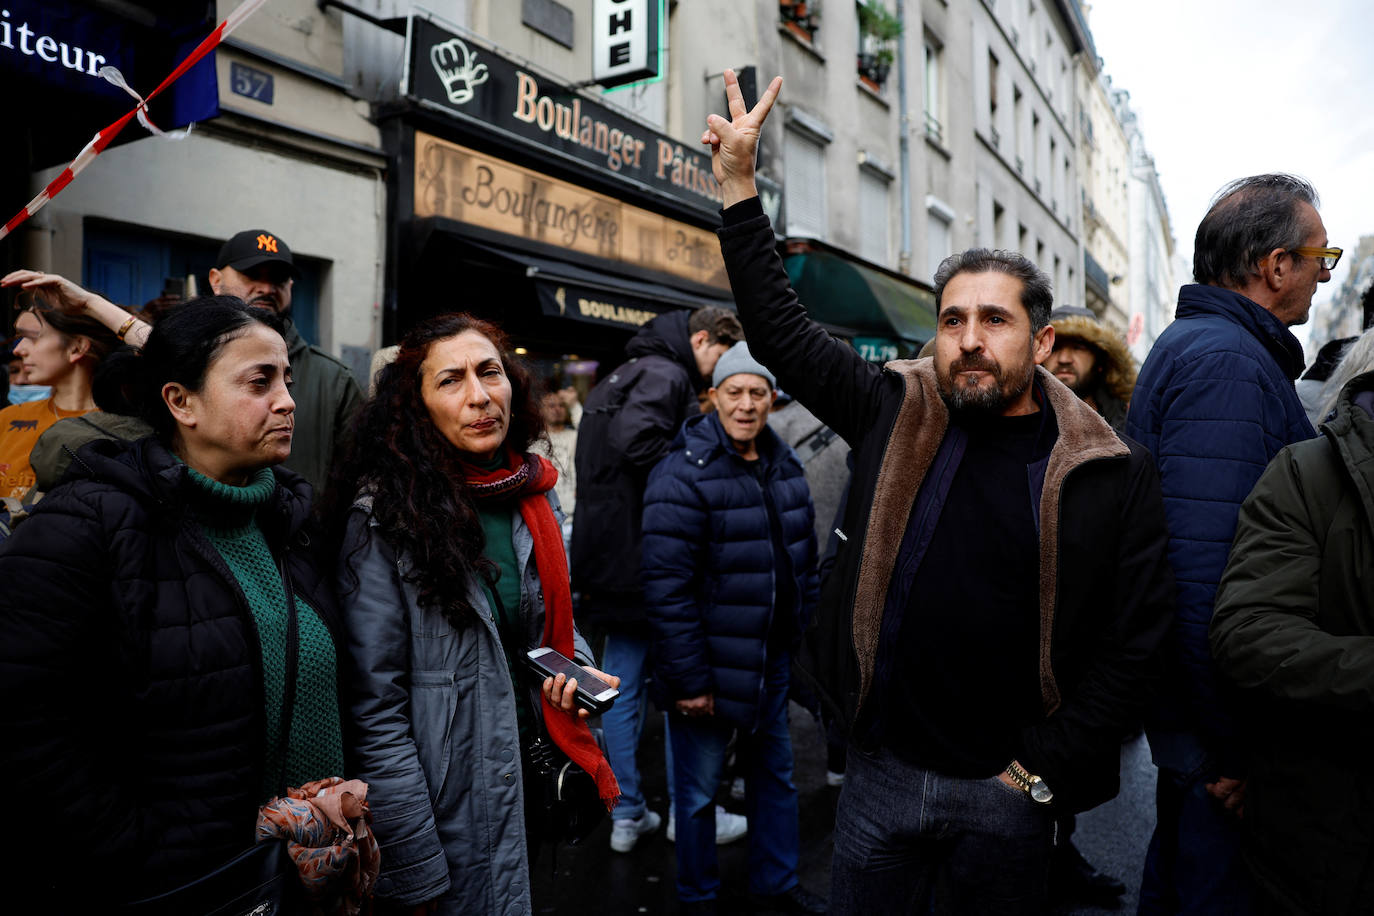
pixel 327 396
pixel 1294 626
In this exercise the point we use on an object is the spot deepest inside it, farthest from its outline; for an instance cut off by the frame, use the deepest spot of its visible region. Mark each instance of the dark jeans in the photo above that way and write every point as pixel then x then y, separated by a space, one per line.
pixel 909 840
pixel 770 799
pixel 1193 867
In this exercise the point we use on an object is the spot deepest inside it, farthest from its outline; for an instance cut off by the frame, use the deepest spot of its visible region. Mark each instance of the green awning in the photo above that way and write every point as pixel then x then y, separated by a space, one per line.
pixel 845 293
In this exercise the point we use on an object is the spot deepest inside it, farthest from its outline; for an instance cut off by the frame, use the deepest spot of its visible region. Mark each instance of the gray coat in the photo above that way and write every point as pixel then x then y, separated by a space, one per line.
pixel 435 733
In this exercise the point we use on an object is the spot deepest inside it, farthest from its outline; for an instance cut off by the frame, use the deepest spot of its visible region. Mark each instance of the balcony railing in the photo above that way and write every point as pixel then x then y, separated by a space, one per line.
pixel 934 129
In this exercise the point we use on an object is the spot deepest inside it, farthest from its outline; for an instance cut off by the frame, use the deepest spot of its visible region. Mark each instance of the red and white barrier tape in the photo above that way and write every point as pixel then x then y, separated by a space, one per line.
pixel 103 139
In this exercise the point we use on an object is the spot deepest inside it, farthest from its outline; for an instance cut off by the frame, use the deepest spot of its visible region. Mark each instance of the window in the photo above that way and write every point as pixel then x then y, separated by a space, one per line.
pixel 878 31
pixel 993 68
pixel 1035 150
pixel 934 110
pixel 999 213
pixel 1018 141
pixel 805 188
pixel 874 220
pixel 801 17
pixel 937 239
pixel 1054 191
pixel 1022 236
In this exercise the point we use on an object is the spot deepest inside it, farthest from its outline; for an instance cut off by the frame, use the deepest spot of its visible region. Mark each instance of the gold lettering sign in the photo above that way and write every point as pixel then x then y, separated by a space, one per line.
pixel 464 185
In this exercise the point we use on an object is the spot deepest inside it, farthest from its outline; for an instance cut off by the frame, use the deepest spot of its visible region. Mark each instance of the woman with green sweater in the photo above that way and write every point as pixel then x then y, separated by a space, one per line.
pixel 451 568
pixel 167 640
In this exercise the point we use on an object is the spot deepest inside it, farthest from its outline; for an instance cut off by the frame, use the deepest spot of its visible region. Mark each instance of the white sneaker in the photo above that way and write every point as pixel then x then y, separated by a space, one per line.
pixel 625 832
pixel 737 789
pixel 833 779
pixel 729 827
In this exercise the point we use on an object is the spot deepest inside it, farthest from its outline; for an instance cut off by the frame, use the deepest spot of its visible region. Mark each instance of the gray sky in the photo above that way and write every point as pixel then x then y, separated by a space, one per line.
pixel 1228 88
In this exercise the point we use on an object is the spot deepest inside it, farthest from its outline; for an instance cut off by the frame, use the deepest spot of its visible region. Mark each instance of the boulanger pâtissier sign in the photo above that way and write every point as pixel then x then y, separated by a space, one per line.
pixel 477 85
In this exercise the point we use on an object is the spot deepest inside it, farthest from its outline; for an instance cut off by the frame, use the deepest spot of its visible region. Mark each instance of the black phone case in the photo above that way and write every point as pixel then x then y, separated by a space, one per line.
pixel 582 698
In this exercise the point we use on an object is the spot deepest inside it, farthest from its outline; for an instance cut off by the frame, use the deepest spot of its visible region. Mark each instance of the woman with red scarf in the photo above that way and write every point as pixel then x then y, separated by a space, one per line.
pixel 451 568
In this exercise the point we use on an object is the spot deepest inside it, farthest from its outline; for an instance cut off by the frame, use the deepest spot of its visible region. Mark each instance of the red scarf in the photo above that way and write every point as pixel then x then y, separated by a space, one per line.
pixel 532 477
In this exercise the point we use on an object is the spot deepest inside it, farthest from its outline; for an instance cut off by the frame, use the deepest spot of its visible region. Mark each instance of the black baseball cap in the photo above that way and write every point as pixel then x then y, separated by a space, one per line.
pixel 252 247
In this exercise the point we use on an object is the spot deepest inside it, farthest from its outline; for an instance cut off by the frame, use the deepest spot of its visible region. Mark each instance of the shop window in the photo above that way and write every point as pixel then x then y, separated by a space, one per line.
pixel 805 188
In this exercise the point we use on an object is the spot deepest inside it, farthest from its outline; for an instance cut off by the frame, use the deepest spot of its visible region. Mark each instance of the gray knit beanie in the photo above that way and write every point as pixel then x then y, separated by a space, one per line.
pixel 737 359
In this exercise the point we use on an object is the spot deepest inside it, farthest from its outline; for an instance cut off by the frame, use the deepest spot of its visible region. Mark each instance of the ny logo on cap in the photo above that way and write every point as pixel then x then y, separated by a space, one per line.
pixel 267 243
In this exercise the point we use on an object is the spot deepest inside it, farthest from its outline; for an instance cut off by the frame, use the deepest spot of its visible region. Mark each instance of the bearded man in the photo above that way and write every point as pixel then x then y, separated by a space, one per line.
pixel 990 626
pixel 1092 359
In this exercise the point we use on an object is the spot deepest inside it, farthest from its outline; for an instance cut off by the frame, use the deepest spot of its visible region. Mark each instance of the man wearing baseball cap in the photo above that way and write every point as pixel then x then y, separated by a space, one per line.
pixel 256 266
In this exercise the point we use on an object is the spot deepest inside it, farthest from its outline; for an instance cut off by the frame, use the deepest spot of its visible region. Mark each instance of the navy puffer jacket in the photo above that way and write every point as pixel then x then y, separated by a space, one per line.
pixel 708 569
pixel 1214 404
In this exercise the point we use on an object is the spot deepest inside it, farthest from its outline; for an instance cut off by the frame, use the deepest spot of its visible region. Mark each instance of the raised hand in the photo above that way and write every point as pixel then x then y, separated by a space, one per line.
pixel 735 143
pixel 58 291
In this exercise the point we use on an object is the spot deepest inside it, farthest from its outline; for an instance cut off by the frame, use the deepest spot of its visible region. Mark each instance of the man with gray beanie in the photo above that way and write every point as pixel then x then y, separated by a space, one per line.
pixel 729 574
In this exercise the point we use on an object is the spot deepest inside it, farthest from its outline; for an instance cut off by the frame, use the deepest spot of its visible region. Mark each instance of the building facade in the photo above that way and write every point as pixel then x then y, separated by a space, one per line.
pixel 1350 309
pixel 291 149
pixel 1104 167
pixel 1153 285
pixel 412 157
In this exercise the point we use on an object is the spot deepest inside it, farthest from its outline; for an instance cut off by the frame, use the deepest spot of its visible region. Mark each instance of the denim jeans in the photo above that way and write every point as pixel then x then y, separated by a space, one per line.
pixel 627 657
pixel 909 840
pixel 1193 866
pixel 770 800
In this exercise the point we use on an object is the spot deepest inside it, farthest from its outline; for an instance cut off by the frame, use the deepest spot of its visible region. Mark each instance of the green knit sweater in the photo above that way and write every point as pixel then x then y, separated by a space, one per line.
pixel 314 747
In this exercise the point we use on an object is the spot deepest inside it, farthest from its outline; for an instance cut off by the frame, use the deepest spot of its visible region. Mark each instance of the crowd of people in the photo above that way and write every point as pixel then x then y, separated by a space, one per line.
pixel 232 580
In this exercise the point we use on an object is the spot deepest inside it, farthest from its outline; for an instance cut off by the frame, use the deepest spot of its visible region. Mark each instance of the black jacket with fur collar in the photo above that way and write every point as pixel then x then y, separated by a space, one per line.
pixel 1105 584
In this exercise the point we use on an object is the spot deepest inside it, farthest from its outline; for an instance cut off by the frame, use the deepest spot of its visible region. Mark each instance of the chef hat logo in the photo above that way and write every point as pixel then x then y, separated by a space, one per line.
pixel 457 66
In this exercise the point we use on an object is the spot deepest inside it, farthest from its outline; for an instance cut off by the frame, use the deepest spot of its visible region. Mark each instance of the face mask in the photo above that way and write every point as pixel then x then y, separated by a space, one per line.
pixel 22 394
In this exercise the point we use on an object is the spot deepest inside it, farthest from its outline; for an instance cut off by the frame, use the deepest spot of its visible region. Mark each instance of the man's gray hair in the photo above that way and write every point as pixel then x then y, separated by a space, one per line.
pixel 1037 294
pixel 1249 218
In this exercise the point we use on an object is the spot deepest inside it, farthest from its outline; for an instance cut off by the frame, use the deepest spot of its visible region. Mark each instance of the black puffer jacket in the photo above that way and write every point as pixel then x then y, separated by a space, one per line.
pixel 131 671
pixel 628 424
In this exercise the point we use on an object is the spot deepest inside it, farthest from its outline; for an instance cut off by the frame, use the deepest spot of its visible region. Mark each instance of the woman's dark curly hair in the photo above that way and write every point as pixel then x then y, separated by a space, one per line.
pixel 414 474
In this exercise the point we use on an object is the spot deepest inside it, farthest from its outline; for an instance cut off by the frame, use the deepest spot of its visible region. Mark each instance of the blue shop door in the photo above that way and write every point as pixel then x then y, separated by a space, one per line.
pixel 132 266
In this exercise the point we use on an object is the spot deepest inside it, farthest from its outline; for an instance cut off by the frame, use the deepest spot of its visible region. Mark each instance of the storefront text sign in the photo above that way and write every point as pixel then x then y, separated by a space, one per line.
pixel 478 86
pixel 461 184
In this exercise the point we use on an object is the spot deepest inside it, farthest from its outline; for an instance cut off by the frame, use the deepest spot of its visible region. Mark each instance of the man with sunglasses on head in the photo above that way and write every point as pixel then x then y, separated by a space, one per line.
pixel 1215 402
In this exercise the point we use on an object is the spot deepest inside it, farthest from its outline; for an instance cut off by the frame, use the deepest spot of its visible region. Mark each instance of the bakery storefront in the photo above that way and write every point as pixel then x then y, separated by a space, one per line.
pixel 515 198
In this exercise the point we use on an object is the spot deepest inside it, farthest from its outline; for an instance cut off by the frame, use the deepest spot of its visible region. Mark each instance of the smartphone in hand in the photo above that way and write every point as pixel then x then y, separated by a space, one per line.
pixel 593 694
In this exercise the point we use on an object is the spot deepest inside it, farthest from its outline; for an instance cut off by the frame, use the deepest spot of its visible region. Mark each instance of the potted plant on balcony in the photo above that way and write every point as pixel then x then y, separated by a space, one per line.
pixel 879 28
pixel 802 17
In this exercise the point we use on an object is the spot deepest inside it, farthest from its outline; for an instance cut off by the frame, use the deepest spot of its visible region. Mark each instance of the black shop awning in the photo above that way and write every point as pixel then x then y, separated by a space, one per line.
pixel 870 302
pixel 584 293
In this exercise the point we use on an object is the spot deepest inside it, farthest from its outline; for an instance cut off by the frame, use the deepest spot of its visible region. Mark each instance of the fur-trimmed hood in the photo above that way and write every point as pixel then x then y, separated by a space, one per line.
pixel 1120 370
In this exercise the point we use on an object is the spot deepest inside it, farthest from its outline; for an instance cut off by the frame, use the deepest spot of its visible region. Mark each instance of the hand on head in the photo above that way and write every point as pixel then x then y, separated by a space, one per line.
pixel 735 143
pixel 58 291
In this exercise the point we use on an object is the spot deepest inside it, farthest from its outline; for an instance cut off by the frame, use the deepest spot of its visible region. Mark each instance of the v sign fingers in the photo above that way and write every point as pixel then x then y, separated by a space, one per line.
pixel 734 143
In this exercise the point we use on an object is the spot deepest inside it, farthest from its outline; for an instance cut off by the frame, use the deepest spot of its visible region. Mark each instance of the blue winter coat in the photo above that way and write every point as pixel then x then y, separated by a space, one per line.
pixel 1214 403
pixel 708 569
